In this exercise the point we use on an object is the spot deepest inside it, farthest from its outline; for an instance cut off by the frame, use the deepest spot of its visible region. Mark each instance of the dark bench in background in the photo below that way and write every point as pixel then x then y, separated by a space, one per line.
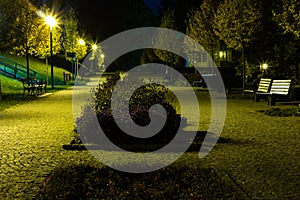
pixel 33 86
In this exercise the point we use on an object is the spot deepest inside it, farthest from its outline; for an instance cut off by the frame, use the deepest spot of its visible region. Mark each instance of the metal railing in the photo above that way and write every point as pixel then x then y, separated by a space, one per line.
pixel 14 69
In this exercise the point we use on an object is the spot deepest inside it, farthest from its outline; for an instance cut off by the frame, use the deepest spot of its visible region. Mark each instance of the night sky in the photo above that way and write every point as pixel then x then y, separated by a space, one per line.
pixel 103 19
pixel 153 4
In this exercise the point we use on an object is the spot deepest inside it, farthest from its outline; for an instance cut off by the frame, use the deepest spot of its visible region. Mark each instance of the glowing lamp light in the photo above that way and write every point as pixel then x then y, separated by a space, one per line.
pixel 51 21
pixel 81 42
pixel 221 54
pixel 94 47
pixel 264 66
pixel 102 56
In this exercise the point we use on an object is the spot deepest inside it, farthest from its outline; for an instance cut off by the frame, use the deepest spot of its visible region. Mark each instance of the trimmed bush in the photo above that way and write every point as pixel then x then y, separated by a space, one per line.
pixel 139 105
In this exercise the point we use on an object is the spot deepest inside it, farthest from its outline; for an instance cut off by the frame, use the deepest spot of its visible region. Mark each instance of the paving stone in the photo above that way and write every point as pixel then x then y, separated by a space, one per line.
pixel 31 139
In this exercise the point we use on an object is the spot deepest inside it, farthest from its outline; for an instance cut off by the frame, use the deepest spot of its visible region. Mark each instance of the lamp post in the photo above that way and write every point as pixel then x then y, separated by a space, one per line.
pixel 51 21
pixel 82 43
pixel 92 58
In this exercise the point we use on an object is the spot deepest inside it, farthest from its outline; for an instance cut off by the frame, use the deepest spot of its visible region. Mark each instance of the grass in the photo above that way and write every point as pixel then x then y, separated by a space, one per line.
pixel 12 90
pixel 40 67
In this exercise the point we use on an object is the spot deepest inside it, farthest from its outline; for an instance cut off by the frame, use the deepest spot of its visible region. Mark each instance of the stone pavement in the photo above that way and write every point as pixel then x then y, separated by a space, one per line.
pixel 31 139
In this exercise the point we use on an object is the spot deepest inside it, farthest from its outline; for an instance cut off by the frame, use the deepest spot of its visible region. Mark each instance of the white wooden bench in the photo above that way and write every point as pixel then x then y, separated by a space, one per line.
pixel 279 88
pixel 263 88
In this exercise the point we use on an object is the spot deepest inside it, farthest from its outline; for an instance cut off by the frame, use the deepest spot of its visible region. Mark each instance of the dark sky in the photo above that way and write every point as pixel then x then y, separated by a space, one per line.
pixel 104 18
pixel 153 4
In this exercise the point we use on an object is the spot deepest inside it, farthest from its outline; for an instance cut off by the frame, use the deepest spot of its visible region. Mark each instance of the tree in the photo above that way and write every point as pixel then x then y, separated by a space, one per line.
pixel 7 19
pixel 236 23
pixel 18 26
pixel 72 37
pixel 168 21
pixel 288 17
pixel 200 26
pixel 26 32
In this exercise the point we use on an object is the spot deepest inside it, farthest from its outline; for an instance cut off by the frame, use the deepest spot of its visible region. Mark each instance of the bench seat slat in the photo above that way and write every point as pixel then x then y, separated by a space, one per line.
pixel 279 87
pixel 263 88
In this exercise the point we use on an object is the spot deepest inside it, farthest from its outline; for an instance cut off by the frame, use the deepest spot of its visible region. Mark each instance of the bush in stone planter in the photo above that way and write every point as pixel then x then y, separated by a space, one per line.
pixel 139 104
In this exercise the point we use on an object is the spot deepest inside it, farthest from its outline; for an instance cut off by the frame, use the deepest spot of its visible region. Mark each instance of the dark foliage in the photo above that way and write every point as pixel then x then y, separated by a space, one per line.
pixel 86 182
pixel 279 112
pixel 139 105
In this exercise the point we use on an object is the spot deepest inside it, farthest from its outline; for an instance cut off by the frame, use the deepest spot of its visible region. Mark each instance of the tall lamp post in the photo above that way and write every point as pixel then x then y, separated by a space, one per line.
pixel 94 49
pixel 82 43
pixel 51 21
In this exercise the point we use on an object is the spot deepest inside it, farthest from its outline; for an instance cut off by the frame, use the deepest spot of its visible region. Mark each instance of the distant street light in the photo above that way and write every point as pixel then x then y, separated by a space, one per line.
pixel 221 54
pixel 264 67
pixel 51 21
pixel 81 42
pixel 94 47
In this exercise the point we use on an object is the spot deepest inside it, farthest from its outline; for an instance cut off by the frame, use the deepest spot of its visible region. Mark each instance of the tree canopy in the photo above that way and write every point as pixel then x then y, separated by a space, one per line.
pixel 288 17
pixel 168 21
pixel 237 22
pixel 200 25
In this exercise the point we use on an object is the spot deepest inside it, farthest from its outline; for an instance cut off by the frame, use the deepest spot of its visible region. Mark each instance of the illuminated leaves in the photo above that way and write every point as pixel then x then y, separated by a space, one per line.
pixel 200 25
pixel 288 18
pixel 237 22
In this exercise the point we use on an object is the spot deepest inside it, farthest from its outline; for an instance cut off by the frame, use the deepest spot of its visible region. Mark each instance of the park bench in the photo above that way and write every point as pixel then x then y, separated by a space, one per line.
pixel 27 86
pixel 263 88
pixel 279 88
pixel 33 86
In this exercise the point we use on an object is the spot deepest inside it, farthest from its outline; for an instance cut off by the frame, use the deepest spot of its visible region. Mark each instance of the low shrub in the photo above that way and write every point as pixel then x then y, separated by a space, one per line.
pixel 282 112
pixel 139 105
pixel 172 182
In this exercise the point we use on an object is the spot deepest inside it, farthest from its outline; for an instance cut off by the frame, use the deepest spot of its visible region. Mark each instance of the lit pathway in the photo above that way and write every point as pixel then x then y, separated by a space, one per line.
pixel 31 139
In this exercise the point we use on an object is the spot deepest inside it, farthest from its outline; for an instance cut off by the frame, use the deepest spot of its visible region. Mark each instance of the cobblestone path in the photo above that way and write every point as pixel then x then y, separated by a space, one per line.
pixel 31 139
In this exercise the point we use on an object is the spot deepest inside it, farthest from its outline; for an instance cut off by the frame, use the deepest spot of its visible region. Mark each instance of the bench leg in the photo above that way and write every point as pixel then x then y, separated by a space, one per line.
pixel 271 100
pixel 256 98
pixel 26 89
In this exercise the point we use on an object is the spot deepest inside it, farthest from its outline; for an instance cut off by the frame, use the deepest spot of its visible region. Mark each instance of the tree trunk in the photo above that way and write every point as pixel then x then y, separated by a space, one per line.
pixel 27 62
pixel 244 68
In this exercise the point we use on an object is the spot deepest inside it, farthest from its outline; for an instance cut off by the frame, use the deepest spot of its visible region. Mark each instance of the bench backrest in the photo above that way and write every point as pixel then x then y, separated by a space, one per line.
pixel 281 87
pixel 264 85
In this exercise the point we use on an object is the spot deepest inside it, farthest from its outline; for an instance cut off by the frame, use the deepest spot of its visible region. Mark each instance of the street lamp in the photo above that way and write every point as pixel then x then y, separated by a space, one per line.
pixel 92 58
pixel 94 47
pixel 82 43
pixel 51 21
pixel 264 67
